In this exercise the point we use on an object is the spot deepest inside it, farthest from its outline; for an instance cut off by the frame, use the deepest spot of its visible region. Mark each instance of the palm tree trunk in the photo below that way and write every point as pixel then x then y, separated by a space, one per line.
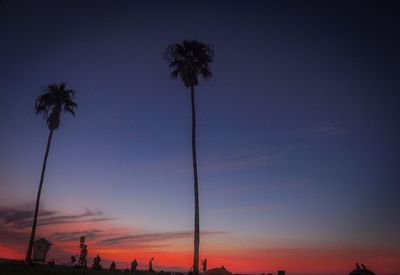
pixel 196 190
pixel 28 258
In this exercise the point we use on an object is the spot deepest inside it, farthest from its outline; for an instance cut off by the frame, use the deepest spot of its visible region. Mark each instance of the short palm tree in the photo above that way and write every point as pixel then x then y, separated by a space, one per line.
pixel 190 60
pixel 54 100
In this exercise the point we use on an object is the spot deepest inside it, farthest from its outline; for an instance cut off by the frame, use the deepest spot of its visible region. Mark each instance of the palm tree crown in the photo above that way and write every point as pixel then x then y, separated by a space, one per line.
pixel 189 60
pixel 54 100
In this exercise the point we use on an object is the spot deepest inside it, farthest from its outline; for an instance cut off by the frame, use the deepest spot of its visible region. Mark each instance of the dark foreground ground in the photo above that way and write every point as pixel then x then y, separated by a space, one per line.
pixel 18 268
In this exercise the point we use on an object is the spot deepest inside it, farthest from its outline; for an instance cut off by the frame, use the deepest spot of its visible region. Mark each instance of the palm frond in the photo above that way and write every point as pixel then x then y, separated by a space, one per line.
pixel 189 60
pixel 54 100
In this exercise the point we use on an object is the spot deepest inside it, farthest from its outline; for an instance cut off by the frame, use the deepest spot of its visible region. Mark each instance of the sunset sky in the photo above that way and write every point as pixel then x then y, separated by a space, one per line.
pixel 298 133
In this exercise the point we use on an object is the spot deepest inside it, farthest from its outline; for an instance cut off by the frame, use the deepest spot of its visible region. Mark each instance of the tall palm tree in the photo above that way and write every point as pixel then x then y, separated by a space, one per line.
pixel 188 61
pixel 54 100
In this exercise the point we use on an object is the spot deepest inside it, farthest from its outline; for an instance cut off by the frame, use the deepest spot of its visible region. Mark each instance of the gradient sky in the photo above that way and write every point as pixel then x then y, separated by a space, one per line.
pixel 298 133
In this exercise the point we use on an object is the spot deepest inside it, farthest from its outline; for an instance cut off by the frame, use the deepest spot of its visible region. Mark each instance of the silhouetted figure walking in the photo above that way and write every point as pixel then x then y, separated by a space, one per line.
pixel 151 265
pixel 134 265
pixel 96 263
pixel 204 263
pixel 113 266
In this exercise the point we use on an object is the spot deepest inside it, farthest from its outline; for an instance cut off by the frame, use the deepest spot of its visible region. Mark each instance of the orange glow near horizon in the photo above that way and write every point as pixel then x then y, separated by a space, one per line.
pixel 251 261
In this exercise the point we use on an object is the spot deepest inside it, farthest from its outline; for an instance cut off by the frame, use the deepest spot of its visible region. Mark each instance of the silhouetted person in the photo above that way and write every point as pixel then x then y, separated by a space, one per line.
pixel 73 260
pixel 113 266
pixel 363 266
pixel 358 266
pixel 134 265
pixel 96 263
pixel 204 263
pixel 151 265
pixel 82 256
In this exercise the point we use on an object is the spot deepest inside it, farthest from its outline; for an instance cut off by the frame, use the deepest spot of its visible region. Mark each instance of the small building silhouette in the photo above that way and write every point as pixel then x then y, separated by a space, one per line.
pixel 363 270
pixel 218 271
pixel 281 272
pixel 40 248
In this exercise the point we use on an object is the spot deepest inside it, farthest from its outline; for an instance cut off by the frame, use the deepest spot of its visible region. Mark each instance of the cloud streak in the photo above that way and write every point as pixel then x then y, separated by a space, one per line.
pixel 12 238
pixel 153 237
pixel 22 218
pixel 244 161
pixel 323 128
pixel 329 128
pixel 252 208
pixel 73 236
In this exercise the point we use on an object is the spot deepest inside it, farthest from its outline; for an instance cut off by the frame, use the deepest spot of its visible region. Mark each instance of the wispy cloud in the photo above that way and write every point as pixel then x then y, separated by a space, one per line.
pixel 22 218
pixel 329 128
pixel 75 235
pixel 156 237
pixel 263 207
pixel 243 161
pixel 322 128
pixel 13 215
pixel 12 238
pixel 248 188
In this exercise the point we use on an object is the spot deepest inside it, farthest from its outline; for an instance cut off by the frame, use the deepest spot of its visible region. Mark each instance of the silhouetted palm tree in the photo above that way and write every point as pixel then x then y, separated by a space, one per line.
pixel 54 100
pixel 190 60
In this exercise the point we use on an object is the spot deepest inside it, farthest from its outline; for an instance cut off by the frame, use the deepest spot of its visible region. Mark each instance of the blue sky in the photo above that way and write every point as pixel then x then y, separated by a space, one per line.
pixel 297 131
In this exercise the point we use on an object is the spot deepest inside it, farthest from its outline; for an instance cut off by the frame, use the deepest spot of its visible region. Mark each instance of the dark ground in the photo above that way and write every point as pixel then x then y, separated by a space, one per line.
pixel 18 268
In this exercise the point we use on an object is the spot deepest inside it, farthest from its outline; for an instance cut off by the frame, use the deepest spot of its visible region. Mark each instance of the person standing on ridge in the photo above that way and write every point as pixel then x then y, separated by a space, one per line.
pixel 113 266
pixel 134 265
pixel 151 265
pixel 204 263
